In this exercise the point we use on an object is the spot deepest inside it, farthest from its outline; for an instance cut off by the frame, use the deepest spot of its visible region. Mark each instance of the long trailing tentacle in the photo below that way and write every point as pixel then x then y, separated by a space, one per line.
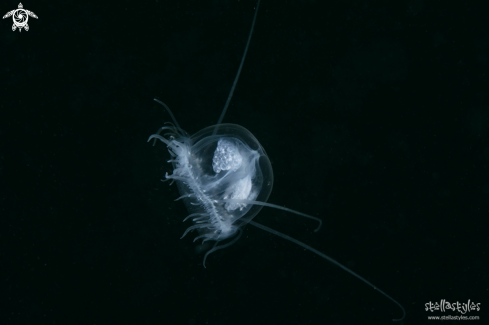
pixel 239 71
pixel 326 257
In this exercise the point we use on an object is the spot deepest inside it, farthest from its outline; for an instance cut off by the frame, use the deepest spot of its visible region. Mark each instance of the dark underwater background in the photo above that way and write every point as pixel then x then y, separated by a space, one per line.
pixel 375 116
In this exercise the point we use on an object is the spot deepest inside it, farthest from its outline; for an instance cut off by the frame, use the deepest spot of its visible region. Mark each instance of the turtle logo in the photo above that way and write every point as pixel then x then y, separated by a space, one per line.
pixel 20 17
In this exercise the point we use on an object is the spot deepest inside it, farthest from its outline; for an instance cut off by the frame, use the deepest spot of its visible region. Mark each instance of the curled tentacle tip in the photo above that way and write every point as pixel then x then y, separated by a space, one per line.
pixel 320 225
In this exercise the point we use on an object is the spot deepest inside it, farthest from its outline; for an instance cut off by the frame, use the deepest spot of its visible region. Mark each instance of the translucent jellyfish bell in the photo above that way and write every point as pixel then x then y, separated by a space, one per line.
pixel 228 165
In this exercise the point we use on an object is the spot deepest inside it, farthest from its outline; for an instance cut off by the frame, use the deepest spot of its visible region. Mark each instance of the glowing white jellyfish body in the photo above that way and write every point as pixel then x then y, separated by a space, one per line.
pixel 225 177
pixel 220 177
